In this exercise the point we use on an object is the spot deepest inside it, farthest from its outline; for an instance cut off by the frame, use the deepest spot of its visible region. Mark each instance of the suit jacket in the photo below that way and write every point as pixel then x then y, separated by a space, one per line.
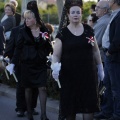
pixel 9 50
pixel 9 23
pixel 2 39
pixel 114 36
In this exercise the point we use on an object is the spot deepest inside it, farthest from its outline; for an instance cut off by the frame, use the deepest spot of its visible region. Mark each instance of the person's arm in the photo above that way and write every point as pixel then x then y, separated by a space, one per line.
pixel 9 50
pixel 18 49
pixel 17 52
pixel 96 53
pixel 8 24
pixel 98 60
pixel 57 50
pixel 56 65
pixel 2 39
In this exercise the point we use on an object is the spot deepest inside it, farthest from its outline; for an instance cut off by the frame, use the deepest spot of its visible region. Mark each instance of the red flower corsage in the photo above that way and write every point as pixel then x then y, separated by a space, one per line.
pixel 91 40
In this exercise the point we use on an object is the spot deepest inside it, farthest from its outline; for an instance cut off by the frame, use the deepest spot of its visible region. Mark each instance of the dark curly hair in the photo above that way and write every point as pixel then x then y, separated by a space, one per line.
pixel 94 17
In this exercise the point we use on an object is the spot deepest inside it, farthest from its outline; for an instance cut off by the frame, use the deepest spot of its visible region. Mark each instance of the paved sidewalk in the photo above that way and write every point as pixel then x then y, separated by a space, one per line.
pixel 11 92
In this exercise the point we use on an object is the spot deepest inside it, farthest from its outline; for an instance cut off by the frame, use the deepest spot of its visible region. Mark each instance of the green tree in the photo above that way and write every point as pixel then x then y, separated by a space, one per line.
pixel 1 8
pixel 19 6
pixel 50 14
pixel 86 9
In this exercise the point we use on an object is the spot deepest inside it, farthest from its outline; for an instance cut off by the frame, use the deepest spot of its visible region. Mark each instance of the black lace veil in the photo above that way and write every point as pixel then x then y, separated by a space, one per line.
pixel 64 17
pixel 32 5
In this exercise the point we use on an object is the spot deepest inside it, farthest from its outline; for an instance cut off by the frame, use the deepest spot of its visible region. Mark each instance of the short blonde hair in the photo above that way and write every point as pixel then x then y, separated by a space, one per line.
pixel 13 8
pixel 28 12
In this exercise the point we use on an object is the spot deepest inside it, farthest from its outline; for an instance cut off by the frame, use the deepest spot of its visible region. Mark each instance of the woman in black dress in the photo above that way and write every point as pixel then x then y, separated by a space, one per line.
pixel 32 49
pixel 77 51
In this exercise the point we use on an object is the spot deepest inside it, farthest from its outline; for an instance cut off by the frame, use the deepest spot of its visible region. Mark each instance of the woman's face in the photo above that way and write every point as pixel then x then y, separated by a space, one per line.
pixel 75 14
pixel 30 20
pixel 8 11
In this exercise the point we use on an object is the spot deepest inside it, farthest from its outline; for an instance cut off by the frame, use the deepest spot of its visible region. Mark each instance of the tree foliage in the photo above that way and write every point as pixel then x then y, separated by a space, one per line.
pixel 50 14
pixel 2 4
pixel 86 9
pixel 1 7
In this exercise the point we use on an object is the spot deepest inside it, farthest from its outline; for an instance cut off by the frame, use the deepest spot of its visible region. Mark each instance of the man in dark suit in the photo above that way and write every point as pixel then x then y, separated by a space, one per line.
pixel 20 91
pixel 2 40
pixel 111 47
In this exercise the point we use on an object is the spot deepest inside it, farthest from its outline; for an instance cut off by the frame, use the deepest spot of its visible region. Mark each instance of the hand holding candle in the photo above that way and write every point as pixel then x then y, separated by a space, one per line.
pixel 56 68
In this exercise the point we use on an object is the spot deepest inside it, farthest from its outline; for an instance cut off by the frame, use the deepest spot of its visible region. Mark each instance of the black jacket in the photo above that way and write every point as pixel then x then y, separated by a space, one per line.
pixel 114 36
pixel 27 50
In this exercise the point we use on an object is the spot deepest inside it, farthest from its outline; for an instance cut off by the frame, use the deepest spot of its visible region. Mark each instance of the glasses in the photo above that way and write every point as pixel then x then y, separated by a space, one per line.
pixel 98 7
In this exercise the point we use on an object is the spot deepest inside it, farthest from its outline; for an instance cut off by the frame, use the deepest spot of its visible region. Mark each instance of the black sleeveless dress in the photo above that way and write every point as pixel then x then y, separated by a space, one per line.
pixel 78 75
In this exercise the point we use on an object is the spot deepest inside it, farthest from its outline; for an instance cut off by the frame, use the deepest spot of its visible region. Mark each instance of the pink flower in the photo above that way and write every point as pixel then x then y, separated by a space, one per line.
pixel 91 40
pixel 44 35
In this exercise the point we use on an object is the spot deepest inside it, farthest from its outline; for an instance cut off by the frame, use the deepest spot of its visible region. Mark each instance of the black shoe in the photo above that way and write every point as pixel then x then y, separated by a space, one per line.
pixel 100 116
pixel 20 113
pixel 35 112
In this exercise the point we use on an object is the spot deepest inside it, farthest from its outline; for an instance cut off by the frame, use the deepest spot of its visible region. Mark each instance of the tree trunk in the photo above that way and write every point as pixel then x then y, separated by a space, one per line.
pixel 60 8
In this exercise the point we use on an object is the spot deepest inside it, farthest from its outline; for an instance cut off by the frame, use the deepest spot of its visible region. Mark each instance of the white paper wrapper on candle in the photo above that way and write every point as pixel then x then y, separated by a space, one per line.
pixel 58 83
pixel 56 68
pixel 10 68
pixel 15 77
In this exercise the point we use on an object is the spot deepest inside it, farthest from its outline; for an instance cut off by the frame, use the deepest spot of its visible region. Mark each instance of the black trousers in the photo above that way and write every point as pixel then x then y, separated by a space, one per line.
pixel 20 94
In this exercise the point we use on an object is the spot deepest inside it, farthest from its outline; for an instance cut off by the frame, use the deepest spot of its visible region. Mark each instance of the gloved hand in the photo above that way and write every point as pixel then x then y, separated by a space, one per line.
pixel 100 72
pixel 55 75
pixel 10 68
pixel 56 68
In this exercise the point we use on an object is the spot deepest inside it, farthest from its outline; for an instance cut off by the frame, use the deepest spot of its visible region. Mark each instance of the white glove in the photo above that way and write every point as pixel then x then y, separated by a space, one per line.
pixel 49 58
pixel 10 68
pixel 56 68
pixel 100 72
pixel 55 75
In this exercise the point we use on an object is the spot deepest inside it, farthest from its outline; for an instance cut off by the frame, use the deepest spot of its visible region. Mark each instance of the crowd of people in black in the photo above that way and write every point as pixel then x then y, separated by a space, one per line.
pixel 84 56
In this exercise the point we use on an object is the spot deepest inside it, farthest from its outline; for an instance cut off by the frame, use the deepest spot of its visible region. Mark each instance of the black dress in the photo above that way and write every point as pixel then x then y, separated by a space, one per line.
pixel 78 76
pixel 32 52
